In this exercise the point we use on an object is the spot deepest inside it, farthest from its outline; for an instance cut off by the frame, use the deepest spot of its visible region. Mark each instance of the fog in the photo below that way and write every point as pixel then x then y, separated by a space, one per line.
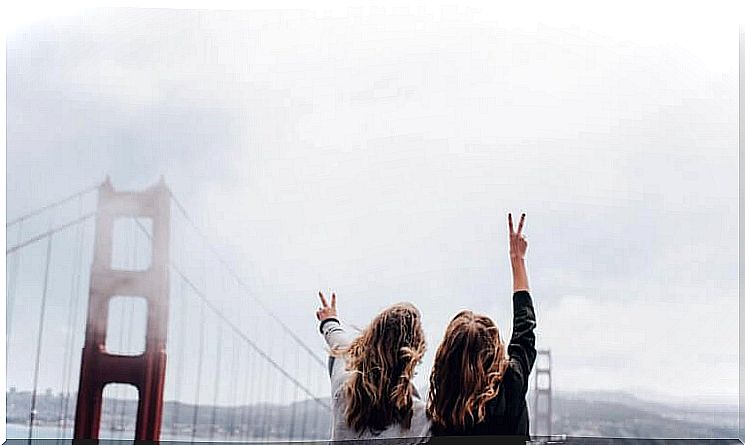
pixel 377 152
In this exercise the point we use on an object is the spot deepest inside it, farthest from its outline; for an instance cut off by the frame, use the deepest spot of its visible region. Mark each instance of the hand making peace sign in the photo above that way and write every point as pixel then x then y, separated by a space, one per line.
pixel 518 243
pixel 326 311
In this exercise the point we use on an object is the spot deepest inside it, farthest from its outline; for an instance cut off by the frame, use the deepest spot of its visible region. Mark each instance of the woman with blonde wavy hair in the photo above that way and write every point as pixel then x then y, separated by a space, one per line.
pixel 477 385
pixel 371 375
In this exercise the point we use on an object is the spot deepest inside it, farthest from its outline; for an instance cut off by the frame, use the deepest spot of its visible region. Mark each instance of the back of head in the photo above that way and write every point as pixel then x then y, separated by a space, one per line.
pixel 468 369
pixel 382 360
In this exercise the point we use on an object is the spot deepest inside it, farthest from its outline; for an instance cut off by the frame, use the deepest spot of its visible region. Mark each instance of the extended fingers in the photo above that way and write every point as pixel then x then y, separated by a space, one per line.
pixel 333 300
pixel 509 220
pixel 323 300
pixel 522 223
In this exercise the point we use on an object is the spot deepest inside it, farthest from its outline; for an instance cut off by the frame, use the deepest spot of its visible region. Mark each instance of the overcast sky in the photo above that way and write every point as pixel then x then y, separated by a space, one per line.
pixel 376 153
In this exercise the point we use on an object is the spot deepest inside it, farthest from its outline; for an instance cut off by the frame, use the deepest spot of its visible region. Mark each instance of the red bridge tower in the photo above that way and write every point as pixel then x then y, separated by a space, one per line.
pixel 145 371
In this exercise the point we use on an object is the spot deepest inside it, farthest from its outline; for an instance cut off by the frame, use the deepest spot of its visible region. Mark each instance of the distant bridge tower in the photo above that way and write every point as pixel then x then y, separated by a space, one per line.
pixel 542 409
pixel 145 371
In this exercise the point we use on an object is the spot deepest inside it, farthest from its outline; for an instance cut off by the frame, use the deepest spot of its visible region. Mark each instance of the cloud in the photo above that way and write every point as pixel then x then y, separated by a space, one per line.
pixel 657 347
pixel 378 158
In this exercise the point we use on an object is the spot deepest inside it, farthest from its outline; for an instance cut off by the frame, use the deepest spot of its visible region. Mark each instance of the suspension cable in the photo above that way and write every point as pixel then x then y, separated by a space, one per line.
pixel 241 283
pixel 209 304
pixel 52 205
pixel 243 336
pixel 49 233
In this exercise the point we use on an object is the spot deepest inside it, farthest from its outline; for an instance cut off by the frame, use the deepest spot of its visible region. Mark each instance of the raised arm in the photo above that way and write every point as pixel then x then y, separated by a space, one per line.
pixel 331 328
pixel 521 349
pixel 336 337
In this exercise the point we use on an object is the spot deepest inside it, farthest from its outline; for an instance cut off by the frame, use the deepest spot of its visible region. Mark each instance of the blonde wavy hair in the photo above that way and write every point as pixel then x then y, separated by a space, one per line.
pixel 468 369
pixel 379 391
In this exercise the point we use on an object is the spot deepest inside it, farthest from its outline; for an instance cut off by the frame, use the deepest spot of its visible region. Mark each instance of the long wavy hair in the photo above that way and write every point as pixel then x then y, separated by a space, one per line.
pixel 379 391
pixel 469 367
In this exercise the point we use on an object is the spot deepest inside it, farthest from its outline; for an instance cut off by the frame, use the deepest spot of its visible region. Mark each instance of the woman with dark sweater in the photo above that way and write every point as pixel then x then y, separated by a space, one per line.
pixel 477 385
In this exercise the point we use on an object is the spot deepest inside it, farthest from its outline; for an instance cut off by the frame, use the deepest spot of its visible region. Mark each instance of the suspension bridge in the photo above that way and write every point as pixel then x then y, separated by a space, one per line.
pixel 124 322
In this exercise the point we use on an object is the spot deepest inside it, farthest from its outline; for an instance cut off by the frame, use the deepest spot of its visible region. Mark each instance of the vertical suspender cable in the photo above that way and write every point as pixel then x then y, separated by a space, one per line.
pixel 273 392
pixel 230 403
pixel 42 316
pixel 245 425
pixel 313 422
pixel 268 392
pixel 308 417
pixel 230 429
pixel 217 382
pixel 321 418
pixel 234 384
pixel 282 397
pixel 179 357
pixel 218 365
pixel 264 374
pixel 304 409
pixel 294 403
pixel 199 372
pixel 238 279
pixel 202 326
pixel 69 332
pixel 180 332
pixel 74 320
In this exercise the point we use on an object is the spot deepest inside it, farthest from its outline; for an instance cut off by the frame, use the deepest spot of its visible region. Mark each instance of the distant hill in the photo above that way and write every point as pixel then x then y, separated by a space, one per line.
pixel 600 414
pixel 612 414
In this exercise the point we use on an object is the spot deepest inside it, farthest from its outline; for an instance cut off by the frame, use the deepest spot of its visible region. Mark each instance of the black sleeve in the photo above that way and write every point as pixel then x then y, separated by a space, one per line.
pixel 522 344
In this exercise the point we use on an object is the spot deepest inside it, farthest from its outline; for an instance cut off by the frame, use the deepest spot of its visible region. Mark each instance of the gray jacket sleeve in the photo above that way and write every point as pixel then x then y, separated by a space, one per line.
pixel 336 336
